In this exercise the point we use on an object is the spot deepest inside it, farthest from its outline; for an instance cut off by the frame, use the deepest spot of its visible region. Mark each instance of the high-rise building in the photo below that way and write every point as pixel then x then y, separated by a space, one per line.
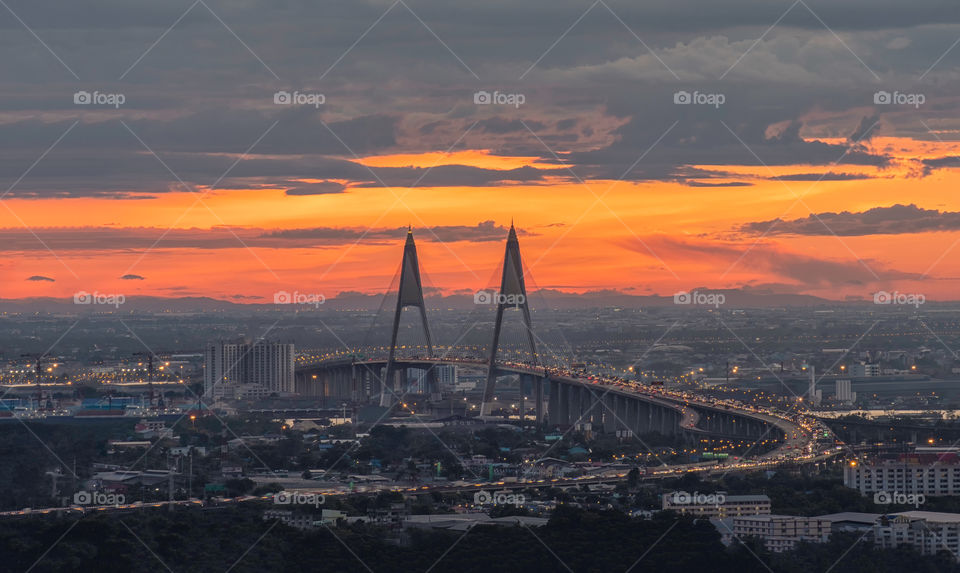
pixel 271 365
pixel 864 369
pixel 915 473
pixel 812 392
pixel 237 369
pixel 843 392
pixel 447 376
pixel 223 364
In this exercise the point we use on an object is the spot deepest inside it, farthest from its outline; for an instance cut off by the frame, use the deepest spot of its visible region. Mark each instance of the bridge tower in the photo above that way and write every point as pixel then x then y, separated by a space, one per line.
pixel 409 293
pixel 513 293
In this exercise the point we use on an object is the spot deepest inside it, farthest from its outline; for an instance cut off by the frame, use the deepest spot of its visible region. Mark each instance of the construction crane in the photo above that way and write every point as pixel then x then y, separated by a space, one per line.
pixel 39 360
pixel 150 356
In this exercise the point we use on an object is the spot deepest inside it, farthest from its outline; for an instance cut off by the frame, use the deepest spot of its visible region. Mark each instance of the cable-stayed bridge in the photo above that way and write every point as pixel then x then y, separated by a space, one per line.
pixel 561 396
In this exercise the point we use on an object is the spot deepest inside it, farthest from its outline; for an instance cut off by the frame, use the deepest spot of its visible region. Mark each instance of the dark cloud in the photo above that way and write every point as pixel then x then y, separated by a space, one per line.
pixel 503 125
pixel 946 162
pixel 692 183
pixel 481 232
pixel 40 278
pixel 829 176
pixel 132 277
pixel 321 188
pixel 135 239
pixel 894 220
pixel 865 130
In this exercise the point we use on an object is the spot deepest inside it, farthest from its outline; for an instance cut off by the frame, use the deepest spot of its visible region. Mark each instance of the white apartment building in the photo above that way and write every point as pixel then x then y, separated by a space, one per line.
pixel 718 505
pixel 782 532
pixel 243 370
pixel 927 531
pixel 864 369
pixel 928 474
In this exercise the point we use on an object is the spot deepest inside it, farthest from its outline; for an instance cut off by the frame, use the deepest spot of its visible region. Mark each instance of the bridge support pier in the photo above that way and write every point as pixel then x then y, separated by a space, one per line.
pixel 538 396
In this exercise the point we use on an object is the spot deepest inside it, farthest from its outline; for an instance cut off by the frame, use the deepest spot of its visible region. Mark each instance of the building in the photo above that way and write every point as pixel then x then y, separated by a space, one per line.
pixel 851 521
pixel 927 531
pixel 447 376
pixel 782 532
pixel 242 370
pixel 908 474
pixel 303 519
pixel 716 505
pixel 844 393
pixel 864 369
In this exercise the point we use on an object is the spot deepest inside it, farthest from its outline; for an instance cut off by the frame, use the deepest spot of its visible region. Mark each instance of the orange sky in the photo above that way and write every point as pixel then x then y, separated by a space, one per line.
pixel 650 237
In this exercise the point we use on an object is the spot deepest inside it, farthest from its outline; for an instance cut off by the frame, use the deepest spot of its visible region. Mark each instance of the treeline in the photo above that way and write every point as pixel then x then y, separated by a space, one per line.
pixel 215 540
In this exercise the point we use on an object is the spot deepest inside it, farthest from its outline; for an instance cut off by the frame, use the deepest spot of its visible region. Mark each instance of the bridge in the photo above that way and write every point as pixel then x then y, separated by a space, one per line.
pixel 561 397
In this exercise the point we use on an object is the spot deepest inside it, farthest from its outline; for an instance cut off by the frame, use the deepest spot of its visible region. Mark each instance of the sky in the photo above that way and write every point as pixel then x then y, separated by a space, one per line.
pixel 238 149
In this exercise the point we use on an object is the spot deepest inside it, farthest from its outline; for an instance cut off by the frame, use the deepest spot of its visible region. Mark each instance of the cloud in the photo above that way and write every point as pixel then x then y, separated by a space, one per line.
pixel 504 125
pixel 895 220
pixel 40 278
pixel 770 260
pixel 134 239
pixel 132 277
pixel 481 232
pixel 829 176
pixel 321 188
pixel 693 183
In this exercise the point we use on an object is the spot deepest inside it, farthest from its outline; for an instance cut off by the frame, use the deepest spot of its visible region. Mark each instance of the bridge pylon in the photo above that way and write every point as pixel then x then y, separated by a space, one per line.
pixel 513 293
pixel 409 293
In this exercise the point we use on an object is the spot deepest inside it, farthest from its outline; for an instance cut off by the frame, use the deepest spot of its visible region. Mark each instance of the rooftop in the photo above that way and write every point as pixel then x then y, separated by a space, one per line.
pixel 851 516
pixel 932 516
